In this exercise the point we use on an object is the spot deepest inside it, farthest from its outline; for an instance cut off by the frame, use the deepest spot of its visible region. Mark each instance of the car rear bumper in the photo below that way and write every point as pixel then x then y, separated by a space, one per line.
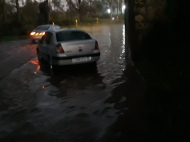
pixel 35 37
pixel 69 60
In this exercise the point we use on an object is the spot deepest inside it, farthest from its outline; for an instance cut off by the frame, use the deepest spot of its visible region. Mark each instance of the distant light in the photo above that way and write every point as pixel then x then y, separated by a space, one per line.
pixel 43 87
pixel 32 33
pixel 108 10
pixel 35 73
pixel 123 7
pixel 112 18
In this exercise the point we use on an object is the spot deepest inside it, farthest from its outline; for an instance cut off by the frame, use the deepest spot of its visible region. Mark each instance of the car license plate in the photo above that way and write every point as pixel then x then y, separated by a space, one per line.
pixel 81 59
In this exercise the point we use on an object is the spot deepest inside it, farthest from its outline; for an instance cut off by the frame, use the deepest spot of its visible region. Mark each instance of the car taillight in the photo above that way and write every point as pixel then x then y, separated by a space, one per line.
pixel 59 48
pixel 96 46
pixel 32 33
pixel 41 34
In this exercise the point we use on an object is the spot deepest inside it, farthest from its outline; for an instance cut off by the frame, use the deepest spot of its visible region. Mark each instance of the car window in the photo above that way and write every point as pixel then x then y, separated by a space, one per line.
pixel 72 35
pixel 55 27
pixel 38 28
pixel 48 37
pixel 45 27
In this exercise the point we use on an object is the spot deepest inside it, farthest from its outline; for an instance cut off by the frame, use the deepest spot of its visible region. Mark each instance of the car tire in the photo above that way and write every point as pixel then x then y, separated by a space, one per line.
pixel 50 63
pixel 94 65
pixel 39 57
pixel 53 68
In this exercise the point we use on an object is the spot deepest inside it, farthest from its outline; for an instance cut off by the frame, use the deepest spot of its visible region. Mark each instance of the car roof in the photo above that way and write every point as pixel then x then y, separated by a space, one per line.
pixel 67 29
pixel 47 25
pixel 41 26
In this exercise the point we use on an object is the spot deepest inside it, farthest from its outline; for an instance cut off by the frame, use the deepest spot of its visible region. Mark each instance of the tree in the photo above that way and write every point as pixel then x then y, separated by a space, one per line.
pixel 44 11
pixel 57 5
pixel 2 10
pixel 29 16
pixel 77 4
pixel 18 11
pixel 98 5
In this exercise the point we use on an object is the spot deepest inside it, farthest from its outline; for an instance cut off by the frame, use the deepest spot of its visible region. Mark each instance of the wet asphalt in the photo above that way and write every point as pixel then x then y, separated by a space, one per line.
pixel 80 103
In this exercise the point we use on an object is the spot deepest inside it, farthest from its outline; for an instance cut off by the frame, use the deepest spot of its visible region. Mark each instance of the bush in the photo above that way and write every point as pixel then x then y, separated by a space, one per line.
pixel 105 16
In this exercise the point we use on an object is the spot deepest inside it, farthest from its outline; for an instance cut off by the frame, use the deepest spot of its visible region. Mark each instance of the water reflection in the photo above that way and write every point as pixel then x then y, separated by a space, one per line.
pixel 72 99
pixel 36 62
pixel 112 45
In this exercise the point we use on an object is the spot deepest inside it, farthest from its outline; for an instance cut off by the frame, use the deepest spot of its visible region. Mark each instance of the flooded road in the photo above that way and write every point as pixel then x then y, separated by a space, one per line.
pixel 78 103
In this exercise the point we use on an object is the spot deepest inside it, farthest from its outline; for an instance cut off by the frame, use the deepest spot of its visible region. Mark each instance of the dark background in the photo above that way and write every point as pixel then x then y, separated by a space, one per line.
pixel 161 55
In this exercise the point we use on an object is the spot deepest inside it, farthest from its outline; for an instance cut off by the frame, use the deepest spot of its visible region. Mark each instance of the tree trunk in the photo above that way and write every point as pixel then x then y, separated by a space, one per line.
pixel 79 10
pixel 47 12
pixel 18 11
pixel 90 8
pixel 117 7
pixel 4 13
pixel 111 9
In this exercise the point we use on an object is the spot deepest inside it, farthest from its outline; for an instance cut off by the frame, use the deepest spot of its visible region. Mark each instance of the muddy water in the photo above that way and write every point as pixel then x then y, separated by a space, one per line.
pixel 75 103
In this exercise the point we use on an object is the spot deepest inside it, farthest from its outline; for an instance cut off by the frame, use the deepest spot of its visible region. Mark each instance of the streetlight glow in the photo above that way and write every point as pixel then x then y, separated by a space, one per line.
pixel 108 10
pixel 123 7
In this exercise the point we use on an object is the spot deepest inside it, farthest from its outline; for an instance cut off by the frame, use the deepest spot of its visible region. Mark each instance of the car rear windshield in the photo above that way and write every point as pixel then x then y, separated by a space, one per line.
pixel 71 35
pixel 42 28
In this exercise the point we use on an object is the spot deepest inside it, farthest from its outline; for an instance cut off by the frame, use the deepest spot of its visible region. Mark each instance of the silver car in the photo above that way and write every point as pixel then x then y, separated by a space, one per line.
pixel 38 32
pixel 68 47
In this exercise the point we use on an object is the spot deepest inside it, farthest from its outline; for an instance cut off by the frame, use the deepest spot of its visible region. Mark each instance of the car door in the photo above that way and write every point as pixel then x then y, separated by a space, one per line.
pixel 41 46
pixel 48 41
pixel 45 44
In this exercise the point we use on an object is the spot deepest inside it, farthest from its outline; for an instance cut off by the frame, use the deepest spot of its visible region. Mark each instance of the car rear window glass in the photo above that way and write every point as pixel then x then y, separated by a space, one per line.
pixel 72 35
pixel 56 27
pixel 42 28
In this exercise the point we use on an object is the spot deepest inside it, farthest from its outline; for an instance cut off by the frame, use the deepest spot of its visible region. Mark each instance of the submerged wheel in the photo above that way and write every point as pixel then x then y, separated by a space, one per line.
pixel 50 63
pixel 94 65
pixel 39 57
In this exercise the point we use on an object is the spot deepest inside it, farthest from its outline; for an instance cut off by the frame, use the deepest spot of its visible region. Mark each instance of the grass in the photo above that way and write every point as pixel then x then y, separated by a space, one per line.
pixel 100 22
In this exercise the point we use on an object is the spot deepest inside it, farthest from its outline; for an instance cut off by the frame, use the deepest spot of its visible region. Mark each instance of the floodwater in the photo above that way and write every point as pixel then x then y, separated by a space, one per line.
pixel 79 103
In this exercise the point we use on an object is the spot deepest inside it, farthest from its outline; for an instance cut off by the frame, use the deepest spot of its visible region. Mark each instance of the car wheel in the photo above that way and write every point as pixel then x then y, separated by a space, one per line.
pixel 50 63
pixel 39 56
pixel 94 65
pixel 53 68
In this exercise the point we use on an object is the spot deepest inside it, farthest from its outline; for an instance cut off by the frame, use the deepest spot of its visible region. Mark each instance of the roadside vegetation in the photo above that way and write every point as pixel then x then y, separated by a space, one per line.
pixel 19 17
